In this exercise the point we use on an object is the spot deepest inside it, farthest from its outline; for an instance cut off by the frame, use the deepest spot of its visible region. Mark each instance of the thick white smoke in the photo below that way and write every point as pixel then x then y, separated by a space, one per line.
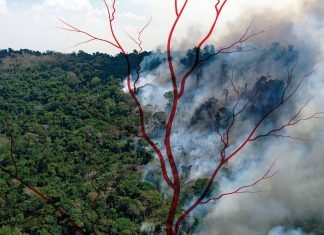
pixel 294 196
pixel 291 197
pixel 282 231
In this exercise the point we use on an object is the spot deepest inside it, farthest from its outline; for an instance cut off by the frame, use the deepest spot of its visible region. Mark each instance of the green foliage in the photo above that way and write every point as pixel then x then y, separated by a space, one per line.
pixel 199 186
pixel 9 231
pixel 70 122
pixel 196 188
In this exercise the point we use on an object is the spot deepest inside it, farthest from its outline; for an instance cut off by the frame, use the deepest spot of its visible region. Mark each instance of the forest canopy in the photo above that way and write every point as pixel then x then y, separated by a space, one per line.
pixel 71 126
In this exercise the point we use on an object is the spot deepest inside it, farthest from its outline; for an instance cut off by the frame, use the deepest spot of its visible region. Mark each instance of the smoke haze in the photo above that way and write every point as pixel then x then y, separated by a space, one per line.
pixel 291 200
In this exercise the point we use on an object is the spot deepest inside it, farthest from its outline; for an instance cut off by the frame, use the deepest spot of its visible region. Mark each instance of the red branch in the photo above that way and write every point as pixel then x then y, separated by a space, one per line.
pixel 218 9
pixel 132 93
pixel 248 139
pixel 225 138
pixel 244 38
pixel 266 176
pixel 71 28
pixel 138 42
pixel 176 7
pixel 292 122
pixel 173 180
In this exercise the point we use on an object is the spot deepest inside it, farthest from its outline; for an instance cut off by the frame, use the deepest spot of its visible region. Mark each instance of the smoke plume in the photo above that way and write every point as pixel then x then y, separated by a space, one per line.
pixel 290 203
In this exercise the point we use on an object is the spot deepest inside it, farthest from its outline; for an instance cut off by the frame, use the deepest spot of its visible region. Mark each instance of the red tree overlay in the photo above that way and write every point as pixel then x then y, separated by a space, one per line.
pixel 170 171
pixel 230 146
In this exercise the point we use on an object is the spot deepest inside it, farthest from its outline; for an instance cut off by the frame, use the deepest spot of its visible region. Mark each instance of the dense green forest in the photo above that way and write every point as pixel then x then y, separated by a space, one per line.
pixel 69 129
